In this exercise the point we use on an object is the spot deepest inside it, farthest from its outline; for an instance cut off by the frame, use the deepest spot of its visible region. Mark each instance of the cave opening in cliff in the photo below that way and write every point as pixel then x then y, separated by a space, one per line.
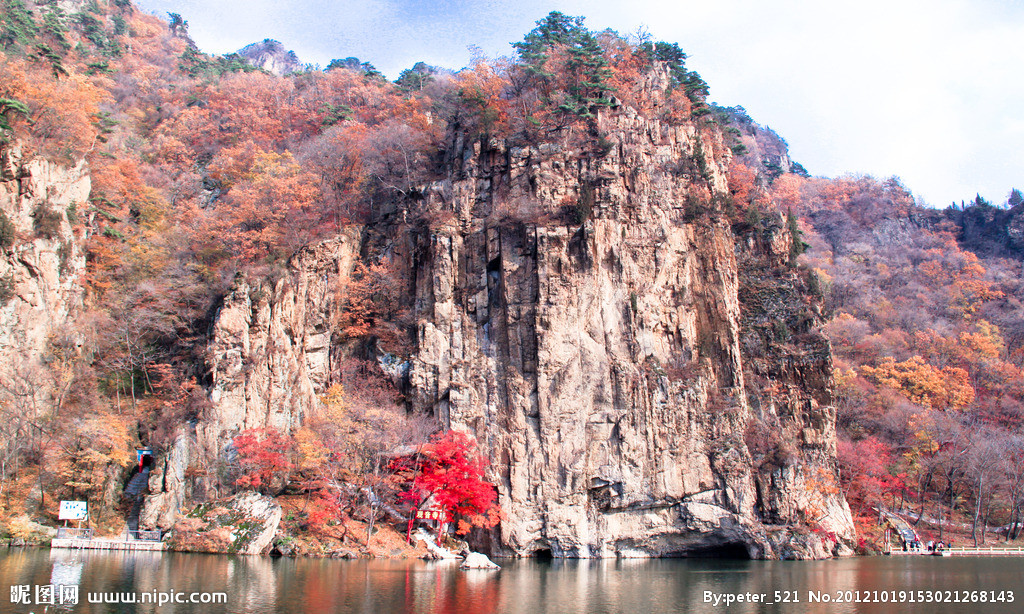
pixel 543 554
pixel 493 281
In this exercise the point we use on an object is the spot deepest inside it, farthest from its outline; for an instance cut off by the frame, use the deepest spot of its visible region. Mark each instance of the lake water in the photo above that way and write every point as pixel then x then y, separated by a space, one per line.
pixel 265 585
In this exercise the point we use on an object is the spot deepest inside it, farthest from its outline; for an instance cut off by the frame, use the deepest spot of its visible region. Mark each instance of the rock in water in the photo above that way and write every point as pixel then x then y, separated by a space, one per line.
pixel 475 560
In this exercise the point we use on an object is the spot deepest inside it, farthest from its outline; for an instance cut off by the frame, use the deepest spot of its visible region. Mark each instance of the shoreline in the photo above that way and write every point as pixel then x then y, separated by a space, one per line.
pixel 424 555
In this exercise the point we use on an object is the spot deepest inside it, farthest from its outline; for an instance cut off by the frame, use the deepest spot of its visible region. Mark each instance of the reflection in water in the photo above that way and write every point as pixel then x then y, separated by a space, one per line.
pixel 262 585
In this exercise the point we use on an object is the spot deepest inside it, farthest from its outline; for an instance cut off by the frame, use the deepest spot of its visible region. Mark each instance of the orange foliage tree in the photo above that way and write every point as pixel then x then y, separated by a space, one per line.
pixel 267 206
pixel 262 456
pixel 61 114
pixel 947 388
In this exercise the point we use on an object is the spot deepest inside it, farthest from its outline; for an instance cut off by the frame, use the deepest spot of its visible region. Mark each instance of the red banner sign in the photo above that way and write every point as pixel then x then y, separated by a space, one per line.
pixel 424 515
pixel 430 515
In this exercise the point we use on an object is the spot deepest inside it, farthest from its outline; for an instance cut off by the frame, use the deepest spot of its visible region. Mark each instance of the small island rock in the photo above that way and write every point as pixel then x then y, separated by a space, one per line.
pixel 475 560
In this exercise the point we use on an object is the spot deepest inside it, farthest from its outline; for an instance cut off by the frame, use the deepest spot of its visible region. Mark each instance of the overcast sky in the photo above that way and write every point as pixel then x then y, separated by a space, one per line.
pixel 929 90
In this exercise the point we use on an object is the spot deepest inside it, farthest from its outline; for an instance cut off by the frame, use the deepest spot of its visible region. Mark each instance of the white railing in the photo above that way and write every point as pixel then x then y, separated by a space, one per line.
pixel 983 551
pixel 73 533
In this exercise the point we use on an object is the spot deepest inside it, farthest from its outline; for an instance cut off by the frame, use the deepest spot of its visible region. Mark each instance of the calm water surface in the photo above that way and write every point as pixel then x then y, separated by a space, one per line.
pixel 265 586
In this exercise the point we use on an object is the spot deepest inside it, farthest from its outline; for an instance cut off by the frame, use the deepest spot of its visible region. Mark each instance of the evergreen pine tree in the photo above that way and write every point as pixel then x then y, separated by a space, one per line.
pixel 1015 198
pixel 798 246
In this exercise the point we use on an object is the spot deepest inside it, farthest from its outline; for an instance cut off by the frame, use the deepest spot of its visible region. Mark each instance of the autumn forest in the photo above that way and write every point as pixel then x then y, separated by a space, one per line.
pixel 206 169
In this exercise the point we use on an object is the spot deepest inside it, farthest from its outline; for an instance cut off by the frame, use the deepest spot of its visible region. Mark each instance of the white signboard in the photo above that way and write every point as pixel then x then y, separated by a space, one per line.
pixel 73 510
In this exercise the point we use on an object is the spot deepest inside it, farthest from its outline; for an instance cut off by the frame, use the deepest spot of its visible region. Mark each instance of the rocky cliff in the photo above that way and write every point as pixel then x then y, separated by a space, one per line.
pixel 271 56
pixel 615 370
pixel 272 349
pixel 758 147
pixel 41 265
pixel 645 379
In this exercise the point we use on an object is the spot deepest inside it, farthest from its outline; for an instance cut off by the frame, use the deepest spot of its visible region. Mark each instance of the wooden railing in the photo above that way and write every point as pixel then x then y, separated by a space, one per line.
pixel 73 533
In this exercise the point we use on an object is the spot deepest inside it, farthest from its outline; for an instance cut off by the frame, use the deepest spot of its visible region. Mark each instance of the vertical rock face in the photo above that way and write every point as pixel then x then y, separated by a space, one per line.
pixel 600 364
pixel 41 262
pixel 271 351
pixel 644 379
pixel 271 347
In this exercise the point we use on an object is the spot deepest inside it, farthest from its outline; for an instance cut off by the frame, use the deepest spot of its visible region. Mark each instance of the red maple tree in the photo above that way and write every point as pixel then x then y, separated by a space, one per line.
pixel 262 454
pixel 451 476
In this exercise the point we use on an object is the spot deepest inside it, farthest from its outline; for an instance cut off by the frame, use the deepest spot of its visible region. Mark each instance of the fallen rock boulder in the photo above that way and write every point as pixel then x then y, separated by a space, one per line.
pixel 475 560
pixel 243 524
